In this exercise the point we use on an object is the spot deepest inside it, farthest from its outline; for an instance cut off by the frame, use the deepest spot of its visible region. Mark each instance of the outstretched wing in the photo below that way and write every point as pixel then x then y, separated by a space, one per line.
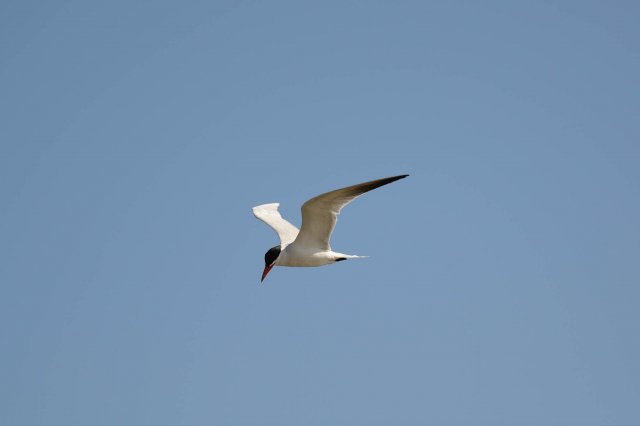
pixel 269 214
pixel 320 214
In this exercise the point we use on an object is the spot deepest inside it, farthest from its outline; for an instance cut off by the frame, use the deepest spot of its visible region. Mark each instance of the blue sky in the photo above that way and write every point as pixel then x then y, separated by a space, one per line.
pixel 502 284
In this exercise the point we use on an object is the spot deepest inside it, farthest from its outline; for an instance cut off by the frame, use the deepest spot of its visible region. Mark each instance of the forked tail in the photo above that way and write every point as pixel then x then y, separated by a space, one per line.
pixel 342 257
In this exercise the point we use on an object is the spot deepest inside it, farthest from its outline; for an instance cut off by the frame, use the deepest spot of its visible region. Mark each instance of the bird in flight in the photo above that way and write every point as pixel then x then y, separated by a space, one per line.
pixel 309 246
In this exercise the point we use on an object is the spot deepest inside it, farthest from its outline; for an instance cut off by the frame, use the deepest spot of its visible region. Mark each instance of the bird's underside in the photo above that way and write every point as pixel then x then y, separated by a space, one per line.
pixel 294 255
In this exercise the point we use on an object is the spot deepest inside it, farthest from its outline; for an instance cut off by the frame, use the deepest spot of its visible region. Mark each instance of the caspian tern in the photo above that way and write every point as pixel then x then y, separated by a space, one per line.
pixel 309 246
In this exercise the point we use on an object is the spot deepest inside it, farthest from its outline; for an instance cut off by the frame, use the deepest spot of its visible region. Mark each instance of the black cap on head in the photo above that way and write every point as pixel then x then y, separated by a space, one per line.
pixel 271 255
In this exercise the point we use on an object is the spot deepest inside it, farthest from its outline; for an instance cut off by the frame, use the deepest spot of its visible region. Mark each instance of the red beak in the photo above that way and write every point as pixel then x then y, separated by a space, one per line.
pixel 266 271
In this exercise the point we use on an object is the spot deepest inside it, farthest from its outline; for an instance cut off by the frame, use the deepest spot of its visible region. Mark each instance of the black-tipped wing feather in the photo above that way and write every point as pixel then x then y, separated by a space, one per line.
pixel 319 214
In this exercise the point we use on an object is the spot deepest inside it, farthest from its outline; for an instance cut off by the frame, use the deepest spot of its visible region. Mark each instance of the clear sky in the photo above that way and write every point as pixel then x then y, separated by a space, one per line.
pixel 503 283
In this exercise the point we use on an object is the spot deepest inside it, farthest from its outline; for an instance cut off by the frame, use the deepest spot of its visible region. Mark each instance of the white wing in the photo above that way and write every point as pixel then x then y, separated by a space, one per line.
pixel 320 214
pixel 269 214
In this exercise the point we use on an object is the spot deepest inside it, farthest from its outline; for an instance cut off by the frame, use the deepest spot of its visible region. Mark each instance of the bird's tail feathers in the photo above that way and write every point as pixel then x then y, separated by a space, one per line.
pixel 340 257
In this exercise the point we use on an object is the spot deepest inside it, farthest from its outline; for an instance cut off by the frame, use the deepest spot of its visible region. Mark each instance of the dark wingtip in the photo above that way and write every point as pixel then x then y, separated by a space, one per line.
pixel 368 186
pixel 395 178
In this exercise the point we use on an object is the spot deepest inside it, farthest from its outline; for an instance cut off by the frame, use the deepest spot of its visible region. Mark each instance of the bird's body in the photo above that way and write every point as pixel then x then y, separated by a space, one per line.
pixel 309 246
pixel 296 255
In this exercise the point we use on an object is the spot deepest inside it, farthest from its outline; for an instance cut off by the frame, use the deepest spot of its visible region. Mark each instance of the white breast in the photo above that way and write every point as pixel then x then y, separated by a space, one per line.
pixel 296 255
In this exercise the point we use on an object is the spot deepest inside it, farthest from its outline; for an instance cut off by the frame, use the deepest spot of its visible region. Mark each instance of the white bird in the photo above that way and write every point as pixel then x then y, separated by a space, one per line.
pixel 309 246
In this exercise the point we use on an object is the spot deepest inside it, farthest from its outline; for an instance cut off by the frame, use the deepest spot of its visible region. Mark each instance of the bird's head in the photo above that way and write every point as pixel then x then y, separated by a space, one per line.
pixel 270 258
